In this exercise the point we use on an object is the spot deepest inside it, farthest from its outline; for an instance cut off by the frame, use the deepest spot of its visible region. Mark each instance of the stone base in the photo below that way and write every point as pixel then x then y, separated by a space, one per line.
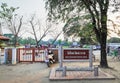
pixel 79 75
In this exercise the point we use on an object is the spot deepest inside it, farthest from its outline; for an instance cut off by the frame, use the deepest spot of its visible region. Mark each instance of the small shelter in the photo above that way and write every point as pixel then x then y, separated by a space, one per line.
pixel 3 38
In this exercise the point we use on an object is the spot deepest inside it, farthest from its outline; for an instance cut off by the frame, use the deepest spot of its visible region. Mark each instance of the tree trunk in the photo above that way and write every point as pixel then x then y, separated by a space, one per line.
pixel 103 61
pixel 103 38
pixel 15 40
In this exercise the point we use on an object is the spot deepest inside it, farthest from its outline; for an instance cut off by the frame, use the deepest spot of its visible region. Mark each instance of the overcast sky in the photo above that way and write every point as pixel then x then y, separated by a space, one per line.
pixel 29 7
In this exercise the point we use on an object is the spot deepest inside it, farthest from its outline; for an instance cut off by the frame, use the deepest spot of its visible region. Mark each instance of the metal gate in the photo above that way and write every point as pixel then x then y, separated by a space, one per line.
pixel 31 55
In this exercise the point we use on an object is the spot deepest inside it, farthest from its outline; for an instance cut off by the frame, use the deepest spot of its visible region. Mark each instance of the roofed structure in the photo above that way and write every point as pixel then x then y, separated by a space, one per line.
pixel 3 38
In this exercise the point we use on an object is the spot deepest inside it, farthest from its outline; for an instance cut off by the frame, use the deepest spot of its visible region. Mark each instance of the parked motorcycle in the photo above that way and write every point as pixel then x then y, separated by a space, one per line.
pixel 50 58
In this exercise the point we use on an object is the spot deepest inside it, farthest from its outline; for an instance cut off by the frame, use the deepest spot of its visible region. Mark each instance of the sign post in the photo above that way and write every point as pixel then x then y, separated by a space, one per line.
pixel 75 55
pixel 60 54
pixel 91 64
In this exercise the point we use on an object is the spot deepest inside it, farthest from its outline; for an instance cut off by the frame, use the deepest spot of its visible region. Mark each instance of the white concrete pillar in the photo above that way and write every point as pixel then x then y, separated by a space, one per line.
pixel 13 55
pixel 60 54
pixel 5 55
pixel 90 57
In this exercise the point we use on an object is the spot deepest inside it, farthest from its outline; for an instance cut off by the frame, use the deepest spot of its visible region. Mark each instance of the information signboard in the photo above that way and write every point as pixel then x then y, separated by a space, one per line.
pixel 75 54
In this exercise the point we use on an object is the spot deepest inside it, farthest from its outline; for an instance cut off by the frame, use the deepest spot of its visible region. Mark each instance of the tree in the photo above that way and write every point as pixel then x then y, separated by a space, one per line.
pixel 27 40
pixel 85 32
pixel 63 9
pixel 76 28
pixel 56 37
pixel 56 32
pixel 115 26
pixel 114 40
pixel 36 27
pixel 11 20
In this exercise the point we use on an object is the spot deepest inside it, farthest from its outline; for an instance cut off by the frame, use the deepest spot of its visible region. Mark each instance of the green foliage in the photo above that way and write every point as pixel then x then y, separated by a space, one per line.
pixel 75 15
pixel 2 43
pixel 11 37
pixel 11 21
pixel 7 12
pixel 98 12
pixel 114 40
pixel 28 40
pixel 79 27
pixel 61 9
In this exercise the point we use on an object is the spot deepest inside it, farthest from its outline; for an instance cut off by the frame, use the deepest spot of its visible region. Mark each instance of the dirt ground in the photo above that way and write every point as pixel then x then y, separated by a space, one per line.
pixel 39 72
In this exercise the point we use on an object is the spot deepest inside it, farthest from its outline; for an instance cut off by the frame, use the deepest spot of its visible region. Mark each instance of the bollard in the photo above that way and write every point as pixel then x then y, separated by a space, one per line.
pixel 95 70
pixel 64 71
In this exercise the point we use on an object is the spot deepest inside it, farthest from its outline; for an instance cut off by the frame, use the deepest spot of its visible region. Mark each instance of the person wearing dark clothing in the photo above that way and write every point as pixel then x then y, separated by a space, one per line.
pixel 108 50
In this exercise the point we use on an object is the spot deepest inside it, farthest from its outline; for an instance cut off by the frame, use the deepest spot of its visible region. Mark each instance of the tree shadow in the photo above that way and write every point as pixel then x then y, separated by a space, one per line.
pixel 111 68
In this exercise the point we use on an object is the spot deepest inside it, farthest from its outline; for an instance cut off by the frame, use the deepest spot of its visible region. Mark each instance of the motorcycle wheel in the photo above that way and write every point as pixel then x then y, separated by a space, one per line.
pixel 48 64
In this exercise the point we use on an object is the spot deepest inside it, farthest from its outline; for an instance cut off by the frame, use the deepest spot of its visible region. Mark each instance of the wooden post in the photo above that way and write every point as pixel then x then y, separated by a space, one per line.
pixel 33 55
pixel 18 54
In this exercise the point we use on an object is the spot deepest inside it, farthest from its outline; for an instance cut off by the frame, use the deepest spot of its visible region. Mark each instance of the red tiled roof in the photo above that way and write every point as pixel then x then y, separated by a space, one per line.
pixel 3 38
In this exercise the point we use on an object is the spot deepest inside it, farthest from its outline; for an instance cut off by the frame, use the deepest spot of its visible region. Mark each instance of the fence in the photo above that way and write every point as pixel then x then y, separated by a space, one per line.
pixel 13 55
pixel 30 55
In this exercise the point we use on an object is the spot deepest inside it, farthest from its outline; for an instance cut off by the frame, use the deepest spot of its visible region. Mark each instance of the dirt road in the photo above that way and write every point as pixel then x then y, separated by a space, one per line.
pixel 39 73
